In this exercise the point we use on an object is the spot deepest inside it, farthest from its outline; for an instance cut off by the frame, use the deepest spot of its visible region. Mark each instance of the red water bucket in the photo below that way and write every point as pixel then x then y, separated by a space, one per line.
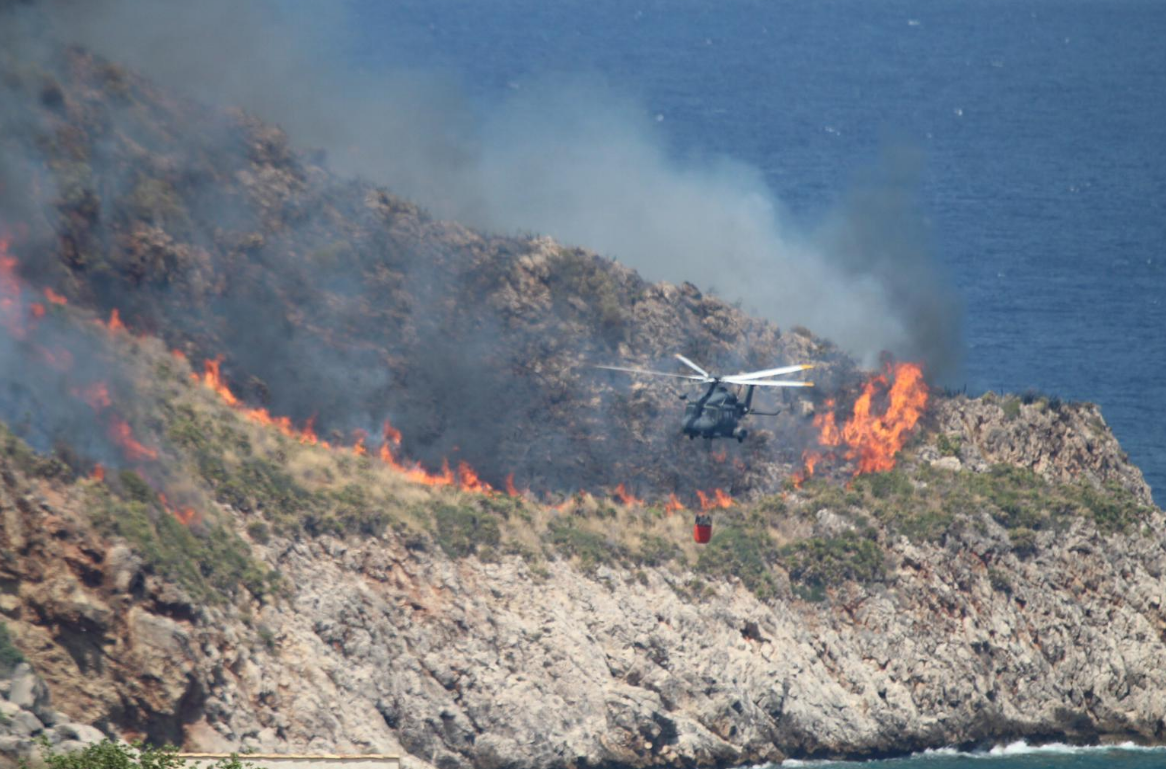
pixel 701 532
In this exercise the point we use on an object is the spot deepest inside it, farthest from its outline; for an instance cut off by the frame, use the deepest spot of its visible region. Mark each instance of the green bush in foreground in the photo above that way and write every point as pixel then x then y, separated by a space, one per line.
pixel 118 755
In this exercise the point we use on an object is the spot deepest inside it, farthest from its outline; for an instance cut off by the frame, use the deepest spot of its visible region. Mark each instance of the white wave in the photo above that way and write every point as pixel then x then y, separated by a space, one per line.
pixel 1010 750
pixel 1022 748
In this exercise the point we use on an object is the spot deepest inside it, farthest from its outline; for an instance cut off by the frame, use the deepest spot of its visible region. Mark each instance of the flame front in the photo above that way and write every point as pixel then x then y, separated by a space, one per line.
pixel 871 439
pixel 626 498
pixel 718 500
pixel 121 434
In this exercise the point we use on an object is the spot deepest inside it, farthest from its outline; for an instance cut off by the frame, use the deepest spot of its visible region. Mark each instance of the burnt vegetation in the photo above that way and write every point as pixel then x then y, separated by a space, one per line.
pixel 338 305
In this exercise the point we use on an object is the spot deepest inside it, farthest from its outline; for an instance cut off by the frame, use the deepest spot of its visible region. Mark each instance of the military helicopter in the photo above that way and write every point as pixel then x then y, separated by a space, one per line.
pixel 718 413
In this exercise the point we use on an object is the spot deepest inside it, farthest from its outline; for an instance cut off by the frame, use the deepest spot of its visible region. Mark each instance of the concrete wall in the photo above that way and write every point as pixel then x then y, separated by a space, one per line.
pixel 272 761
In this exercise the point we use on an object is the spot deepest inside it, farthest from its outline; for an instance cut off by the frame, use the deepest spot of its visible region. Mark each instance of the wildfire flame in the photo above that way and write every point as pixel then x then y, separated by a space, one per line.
pixel 719 500
pixel 212 378
pixel 98 473
pixel 54 297
pixel 186 516
pixel 673 505
pixel 121 434
pixel 358 447
pixel 114 325
pixel 11 314
pixel 626 498
pixel 872 440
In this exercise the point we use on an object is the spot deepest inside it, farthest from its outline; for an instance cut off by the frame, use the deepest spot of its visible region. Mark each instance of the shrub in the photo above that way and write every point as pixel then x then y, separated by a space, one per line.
pixel 210 564
pixel 118 755
pixel 1023 541
pixel 590 547
pixel 948 445
pixel 10 656
pixel 1011 408
pixel 999 580
pixel 461 530
pixel 259 531
pixel 893 483
pixel 743 553
pixel 834 560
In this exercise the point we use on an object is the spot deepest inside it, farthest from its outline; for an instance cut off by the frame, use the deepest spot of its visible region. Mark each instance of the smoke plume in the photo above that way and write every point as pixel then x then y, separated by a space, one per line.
pixel 570 157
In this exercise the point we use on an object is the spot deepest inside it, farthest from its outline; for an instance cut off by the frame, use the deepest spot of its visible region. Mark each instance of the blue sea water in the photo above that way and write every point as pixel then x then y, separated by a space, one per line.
pixel 1018 755
pixel 1041 123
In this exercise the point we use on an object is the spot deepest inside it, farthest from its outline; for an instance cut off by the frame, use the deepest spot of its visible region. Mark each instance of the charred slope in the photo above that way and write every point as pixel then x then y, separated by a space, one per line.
pixel 334 302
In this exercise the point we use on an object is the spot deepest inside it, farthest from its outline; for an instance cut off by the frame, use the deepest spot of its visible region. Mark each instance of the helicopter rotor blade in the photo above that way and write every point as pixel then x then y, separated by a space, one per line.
pixel 771 383
pixel 655 373
pixel 694 367
pixel 772 372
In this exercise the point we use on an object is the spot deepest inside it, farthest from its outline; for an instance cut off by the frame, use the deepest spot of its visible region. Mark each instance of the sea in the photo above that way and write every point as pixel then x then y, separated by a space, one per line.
pixel 1016 755
pixel 1040 124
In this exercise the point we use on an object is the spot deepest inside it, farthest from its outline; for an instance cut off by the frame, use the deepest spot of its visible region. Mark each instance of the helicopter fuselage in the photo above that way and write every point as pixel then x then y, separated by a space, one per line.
pixel 717 414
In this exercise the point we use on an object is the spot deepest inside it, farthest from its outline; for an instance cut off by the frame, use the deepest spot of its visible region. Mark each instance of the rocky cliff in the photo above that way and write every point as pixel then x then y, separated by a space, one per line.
pixel 231 380
pixel 992 603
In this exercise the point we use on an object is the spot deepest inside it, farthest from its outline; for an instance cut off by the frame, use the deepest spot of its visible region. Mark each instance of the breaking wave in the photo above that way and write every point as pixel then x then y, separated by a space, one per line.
pixel 1016 749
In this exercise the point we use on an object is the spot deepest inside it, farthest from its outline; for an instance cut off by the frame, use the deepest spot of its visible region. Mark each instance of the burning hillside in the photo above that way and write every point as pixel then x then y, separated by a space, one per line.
pixel 882 419
pixel 322 307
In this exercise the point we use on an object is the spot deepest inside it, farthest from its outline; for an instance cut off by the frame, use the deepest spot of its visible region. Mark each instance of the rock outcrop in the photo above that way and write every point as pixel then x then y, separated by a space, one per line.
pixel 389 644
pixel 27 715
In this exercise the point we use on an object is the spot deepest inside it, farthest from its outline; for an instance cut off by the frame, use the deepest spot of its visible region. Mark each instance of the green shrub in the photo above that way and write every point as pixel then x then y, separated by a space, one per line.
pixel 948 445
pixel 118 755
pixel 10 656
pixel 656 551
pixel 1112 508
pixel 743 553
pixel 999 580
pixel 461 530
pixel 893 483
pixel 259 531
pixel 834 560
pixel 135 489
pixel 590 547
pixel 210 564
pixel 1023 541
pixel 1011 408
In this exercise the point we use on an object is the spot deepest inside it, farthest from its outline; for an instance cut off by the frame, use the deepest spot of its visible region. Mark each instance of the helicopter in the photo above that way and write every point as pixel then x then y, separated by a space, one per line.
pixel 718 413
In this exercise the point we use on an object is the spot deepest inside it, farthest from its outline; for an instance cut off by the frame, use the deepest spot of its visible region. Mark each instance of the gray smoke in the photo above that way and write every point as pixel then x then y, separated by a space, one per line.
pixel 568 157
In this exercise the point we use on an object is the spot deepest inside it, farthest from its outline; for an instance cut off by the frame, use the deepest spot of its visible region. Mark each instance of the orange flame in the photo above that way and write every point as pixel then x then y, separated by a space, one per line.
pixel 718 501
pixel 212 377
pixel 673 505
pixel 186 516
pixel 626 498
pixel 358 447
pixel 54 297
pixel 511 489
pixel 96 395
pixel 11 314
pixel 468 480
pixel 115 324
pixel 121 434
pixel 98 473
pixel 36 310
pixel 872 439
